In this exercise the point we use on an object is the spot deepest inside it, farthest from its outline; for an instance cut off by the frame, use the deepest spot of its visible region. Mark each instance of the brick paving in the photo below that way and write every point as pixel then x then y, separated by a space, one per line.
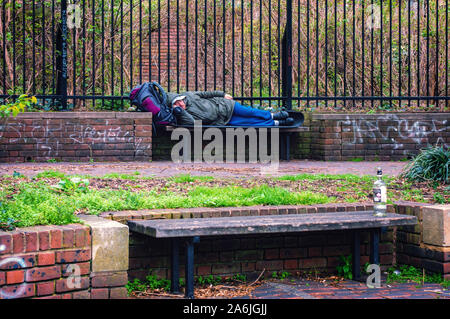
pixel 310 289
pixel 167 168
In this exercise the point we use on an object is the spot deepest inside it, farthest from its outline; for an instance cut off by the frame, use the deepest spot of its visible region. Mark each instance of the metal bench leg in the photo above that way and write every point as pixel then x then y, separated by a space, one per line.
pixel 175 267
pixel 374 246
pixel 189 270
pixel 356 262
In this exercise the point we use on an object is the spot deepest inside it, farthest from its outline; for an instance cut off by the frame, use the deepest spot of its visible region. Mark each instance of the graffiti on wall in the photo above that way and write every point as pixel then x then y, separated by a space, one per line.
pixel 391 129
pixel 18 263
pixel 49 136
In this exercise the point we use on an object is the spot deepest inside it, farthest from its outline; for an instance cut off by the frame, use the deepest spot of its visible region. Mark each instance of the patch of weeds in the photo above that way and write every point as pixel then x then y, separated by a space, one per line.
pixel 150 282
pixel 18 175
pixel 439 198
pixel 356 159
pixel 405 273
pixel 344 269
pixel 209 280
pixel 50 174
pixel 72 185
pixel 282 275
pixel 53 160
pixel 188 178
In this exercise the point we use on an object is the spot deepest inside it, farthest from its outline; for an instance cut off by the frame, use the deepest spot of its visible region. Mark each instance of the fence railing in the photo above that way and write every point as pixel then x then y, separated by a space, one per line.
pixel 300 53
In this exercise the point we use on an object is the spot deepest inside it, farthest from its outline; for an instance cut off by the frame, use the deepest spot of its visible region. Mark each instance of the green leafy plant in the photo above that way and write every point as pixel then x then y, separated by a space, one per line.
pixel 209 280
pixel 432 164
pixel 20 105
pixel 406 273
pixel 72 185
pixel 344 269
pixel 280 275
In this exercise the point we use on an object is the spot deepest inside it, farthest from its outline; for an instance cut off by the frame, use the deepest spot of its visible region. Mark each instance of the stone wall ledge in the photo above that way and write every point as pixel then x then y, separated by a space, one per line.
pixel 65 115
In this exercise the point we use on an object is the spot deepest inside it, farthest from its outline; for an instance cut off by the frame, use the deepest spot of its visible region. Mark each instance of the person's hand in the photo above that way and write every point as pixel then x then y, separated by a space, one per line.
pixel 228 97
pixel 179 103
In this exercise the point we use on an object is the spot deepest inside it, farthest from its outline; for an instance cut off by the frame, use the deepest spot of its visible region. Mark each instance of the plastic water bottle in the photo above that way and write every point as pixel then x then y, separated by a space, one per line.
pixel 379 195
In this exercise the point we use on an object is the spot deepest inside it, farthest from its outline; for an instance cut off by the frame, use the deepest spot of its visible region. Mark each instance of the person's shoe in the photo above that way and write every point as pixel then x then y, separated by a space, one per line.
pixel 286 122
pixel 281 115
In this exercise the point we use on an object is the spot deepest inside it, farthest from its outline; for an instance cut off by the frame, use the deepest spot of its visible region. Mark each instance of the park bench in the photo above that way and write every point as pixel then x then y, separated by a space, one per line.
pixel 190 230
pixel 285 131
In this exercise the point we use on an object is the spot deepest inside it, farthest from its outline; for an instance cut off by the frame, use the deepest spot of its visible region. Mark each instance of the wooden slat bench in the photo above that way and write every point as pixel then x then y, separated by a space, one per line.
pixel 190 231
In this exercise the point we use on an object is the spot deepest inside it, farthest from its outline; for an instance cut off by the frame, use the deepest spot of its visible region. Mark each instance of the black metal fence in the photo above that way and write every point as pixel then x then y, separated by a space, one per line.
pixel 88 54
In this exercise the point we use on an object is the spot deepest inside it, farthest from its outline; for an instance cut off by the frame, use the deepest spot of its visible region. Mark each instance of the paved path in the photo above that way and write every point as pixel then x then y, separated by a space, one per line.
pixel 165 168
pixel 308 289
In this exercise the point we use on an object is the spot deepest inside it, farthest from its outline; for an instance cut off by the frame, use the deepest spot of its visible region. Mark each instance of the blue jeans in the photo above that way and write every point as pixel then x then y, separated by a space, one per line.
pixel 248 116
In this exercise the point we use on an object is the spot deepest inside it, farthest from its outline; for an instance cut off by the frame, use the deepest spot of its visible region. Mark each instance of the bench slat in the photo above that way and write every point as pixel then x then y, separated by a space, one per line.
pixel 247 225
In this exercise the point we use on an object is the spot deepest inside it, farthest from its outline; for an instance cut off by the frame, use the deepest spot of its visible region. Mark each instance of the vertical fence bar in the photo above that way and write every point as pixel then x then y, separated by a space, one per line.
pixel 400 52
pixel 4 45
pixel 187 43
pixel 354 51
pixel 159 41
pixel 279 49
pixel 381 54
pixel 121 54
pixel 74 63
pixel 224 46
pixel 390 53
pixel 251 52
pixel 196 45
pixel 24 64
pixel 103 52
pixel 317 52
pixel 308 9
pixel 233 47
pixel 335 53
pixel 287 58
pixel 242 49
pixel 428 52
pixel 446 52
pixel 149 40
pixel 93 55
pixel 178 45
pixel 436 93
pixel 84 53
pixel 345 51
pixel 409 52
pixel 206 45
pixel 63 82
pixel 112 48
pixel 260 53
pixel 372 62
pixel 14 47
pixel 363 41
pixel 326 53
pixel 168 45
pixel 214 44
pixel 418 53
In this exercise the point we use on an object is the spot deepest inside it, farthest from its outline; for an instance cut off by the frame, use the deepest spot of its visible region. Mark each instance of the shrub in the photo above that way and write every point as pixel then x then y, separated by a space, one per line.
pixel 431 164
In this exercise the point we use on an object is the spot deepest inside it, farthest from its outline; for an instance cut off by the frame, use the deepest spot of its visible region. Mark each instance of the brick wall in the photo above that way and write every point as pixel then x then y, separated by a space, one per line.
pixel 54 262
pixel 336 137
pixel 376 136
pixel 37 261
pixel 411 247
pixel 252 253
pixel 76 136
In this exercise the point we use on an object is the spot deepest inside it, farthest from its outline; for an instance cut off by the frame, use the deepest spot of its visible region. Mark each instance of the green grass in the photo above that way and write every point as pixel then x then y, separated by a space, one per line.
pixel 188 178
pixel 39 203
pixel 404 273
pixel 344 177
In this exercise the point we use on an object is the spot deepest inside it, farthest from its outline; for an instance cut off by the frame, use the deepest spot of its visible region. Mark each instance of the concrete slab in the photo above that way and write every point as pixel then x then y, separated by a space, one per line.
pixel 109 244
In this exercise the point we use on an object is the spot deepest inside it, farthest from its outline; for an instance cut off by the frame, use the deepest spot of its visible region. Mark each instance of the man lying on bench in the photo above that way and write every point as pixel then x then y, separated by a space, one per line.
pixel 219 109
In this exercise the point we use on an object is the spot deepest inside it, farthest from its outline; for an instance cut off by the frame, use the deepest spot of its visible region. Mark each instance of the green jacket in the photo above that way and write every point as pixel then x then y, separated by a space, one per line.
pixel 210 107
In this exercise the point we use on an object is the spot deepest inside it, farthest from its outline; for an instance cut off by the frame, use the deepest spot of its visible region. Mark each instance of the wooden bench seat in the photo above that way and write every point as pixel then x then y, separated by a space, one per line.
pixel 190 230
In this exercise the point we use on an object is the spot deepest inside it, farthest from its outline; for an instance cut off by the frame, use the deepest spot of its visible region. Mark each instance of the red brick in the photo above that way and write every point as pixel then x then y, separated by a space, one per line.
pixel 85 269
pixel 313 263
pixel 45 288
pixel 248 267
pixel 109 279
pixel 55 238
pixel 18 261
pixel 49 297
pixel 17 291
pixel 287 253
pixel 43 273
pixel 99 293
pixel 5 243
pixel 272 253
pixel 118 293
pixel 62 285
pixel 203 270
pixel 31 241
pixel 269 265
pixel 44 240
pixel 314 251
pixel 81 237
pixel 15 277
pixel 291 264
pixel 46 258
pixel 73 256
pixel 66 296
pixel 81 295
pixel 68 237
pixel 18 242
pixel 2 278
